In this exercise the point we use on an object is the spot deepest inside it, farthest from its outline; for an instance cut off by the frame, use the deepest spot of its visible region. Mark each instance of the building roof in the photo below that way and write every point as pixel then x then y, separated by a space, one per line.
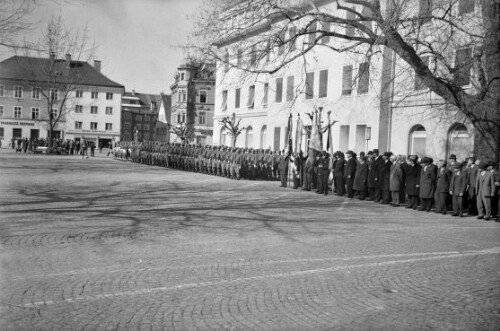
pixel 145 102
pixel 34 69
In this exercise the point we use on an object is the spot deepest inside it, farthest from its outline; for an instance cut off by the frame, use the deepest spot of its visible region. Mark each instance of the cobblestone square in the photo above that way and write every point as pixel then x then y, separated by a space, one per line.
pixel 101 244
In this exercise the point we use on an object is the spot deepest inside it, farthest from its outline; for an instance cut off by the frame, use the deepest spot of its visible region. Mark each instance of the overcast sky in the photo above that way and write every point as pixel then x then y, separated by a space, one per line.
pixel 137 39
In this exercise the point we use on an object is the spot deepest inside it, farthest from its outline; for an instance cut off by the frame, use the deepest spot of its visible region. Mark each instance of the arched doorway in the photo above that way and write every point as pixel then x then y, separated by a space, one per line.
pixel 417 140
pixel 263 135
pixel 459 142
pixel 249 137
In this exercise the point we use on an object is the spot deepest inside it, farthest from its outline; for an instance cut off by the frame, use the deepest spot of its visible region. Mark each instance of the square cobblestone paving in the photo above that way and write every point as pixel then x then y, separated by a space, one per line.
pixel 101 244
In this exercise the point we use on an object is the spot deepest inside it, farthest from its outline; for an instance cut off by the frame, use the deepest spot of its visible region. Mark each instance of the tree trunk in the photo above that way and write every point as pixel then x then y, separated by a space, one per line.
pixel 487 132
pixel 233 140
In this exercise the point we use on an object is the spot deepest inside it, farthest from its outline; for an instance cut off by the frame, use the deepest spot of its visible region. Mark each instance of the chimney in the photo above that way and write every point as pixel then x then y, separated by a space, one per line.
pixel 97 65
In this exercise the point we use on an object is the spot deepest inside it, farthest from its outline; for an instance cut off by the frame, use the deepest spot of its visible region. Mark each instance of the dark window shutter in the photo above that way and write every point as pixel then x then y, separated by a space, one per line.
pixel 364 78
pixel 277 138
pixel 309 85
pixel 463 66
pixel 279 89
pixel 237 98
pixel 347 80
pixel 289 88
pixel 323 83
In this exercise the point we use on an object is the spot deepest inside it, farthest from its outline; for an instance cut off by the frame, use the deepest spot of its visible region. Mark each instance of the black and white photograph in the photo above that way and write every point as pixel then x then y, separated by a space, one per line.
pixel 250 165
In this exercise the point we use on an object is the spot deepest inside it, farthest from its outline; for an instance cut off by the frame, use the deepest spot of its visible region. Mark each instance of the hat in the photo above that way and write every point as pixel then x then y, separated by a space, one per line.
pixel 458 165
pixel 349 152
pixel 483 164
pixel 375 151
pixel 361 153
pixel 425 159
pixel 362 157
pixel 388 154
pixel 452 157
pixel 412 158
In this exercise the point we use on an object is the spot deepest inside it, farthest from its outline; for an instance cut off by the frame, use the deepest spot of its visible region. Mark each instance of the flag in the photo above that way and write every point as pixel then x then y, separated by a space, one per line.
pixel 298 135
pixel 290 133
pixel 315 142
pixel 329 144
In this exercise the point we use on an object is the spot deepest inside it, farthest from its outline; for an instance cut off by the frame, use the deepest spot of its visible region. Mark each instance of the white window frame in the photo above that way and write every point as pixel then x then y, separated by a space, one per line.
pixel 92 124
pixel 35 93
pixel 92 109
pixel 109 95
pixel 109 110
pixel 20 111
pixel 18 88
pixel 94 95
pixel 35 110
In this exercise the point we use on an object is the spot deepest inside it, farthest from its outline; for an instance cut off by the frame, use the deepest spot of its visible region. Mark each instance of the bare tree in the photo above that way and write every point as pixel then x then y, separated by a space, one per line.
pixel 56 79
pixel 437 42
pixel 183 131
pixel 232 127
pixel 13 21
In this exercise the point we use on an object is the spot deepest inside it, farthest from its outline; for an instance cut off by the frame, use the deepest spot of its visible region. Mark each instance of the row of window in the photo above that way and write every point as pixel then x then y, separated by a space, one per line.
pixel 181 118
pixel 36 92
pixel 17 112
pixel 93 126
pixel 138 118
pixel 127 126
pixel 322 91
pixel 93 110
pixel 182 96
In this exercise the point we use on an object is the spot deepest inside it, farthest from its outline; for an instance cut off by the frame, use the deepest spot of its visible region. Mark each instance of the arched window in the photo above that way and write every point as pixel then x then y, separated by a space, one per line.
pixel 417 141
pixel 223 136
pixel 459 142
pixel 249 137
pixel 263 134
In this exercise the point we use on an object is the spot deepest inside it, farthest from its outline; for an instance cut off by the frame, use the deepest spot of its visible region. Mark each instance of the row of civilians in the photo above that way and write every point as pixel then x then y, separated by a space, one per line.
pixel 472 186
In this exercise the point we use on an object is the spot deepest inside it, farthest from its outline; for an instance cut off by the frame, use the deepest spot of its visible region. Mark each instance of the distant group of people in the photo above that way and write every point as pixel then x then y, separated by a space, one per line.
pixel 468 188
pixel 59 146
pixel 471 187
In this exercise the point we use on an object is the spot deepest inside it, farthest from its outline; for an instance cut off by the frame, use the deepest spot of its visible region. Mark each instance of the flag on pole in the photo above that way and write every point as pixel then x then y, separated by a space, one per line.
pixel 298 135
pixel 290 134
pixel 329 145
pixel 315 142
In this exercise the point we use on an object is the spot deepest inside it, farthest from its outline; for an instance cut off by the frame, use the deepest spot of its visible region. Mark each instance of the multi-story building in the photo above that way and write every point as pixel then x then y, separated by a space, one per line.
pixel 367 96
pixel 139 114
pixel 193 98
pixel 91 100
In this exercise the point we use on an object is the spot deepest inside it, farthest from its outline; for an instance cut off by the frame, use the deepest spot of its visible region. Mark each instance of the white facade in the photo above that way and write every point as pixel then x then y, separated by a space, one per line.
pixel 265 122
pixel 96 115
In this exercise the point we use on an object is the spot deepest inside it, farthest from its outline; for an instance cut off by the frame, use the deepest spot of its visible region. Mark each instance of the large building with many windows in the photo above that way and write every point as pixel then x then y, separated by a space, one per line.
pixel 91 101
pixel 375 100
pixel 193 97
pixel 139 115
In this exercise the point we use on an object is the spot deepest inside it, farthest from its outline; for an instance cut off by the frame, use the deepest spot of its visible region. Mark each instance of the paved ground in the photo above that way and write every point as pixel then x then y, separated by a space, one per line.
pixel 103 244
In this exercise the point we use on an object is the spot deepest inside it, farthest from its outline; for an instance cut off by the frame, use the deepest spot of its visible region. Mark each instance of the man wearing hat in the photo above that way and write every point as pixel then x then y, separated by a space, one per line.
pixel 323 173
pixel 385 178
pixel 338 174
pixel 373 176
pixel 442 187
pixel 361 178
pixel 485 189
pixel 451 161
pixel 427 183
pixel 472 171
pixel 349 172
pixel 458 189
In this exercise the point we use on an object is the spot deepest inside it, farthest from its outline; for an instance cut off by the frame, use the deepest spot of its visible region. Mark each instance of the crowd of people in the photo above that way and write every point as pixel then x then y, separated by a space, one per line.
pixel 59 146
pixel 469 188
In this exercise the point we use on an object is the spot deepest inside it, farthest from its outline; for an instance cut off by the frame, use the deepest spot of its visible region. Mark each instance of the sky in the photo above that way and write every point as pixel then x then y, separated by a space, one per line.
pixel 138 40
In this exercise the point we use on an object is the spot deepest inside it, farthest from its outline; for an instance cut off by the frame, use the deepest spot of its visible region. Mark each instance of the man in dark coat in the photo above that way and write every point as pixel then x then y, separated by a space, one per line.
pixel 308 169
pixel 323 173
pixel 349 173
pixel 412 180
pixel 458 189
pixel 338 174
pixel 373 176
pixel 427 183
pixel 472 170
pixel 442 187
pixel 361 178
pixel 385 178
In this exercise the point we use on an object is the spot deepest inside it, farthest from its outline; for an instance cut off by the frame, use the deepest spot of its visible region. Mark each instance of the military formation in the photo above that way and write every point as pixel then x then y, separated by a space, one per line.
pixel 469 188
pixel 230 162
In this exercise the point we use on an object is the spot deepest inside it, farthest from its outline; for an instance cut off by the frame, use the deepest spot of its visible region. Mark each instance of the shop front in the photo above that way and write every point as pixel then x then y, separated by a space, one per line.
pixel 15 130
pixel 98 138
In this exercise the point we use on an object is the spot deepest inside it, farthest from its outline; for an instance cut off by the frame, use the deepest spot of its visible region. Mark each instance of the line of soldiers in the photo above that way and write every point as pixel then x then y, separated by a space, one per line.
pixel 231 162
pixel 472 186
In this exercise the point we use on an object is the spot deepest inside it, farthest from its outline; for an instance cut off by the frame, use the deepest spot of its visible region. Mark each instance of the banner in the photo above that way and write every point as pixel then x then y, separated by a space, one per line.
pixel 298 135
pixel 315 142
